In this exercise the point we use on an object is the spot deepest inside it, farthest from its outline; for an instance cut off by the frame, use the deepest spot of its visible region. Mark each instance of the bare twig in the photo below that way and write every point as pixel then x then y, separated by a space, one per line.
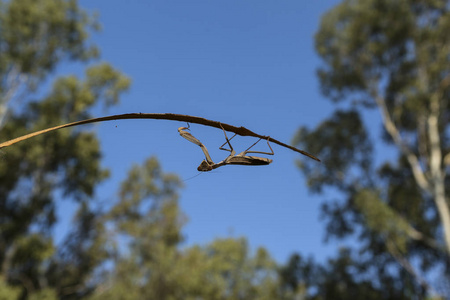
pixel 168 116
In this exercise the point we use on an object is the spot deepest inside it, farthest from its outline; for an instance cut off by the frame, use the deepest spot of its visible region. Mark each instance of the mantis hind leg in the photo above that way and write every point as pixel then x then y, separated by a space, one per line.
pixel 260 152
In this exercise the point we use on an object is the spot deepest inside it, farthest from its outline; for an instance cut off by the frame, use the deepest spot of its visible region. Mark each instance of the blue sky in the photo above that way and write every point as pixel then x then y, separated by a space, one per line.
pixel 245 63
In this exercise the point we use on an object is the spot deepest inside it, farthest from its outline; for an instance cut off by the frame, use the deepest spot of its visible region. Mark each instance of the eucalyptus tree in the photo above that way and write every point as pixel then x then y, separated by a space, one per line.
pixel 35 38
pixel 390 57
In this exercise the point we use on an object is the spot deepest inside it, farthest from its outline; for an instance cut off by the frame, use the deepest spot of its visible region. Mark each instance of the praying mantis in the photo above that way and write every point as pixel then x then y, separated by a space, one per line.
pixel 232 159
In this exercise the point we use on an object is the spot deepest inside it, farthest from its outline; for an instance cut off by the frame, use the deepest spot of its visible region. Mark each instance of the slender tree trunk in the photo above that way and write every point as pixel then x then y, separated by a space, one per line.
pixel 434 184
pixel 436 170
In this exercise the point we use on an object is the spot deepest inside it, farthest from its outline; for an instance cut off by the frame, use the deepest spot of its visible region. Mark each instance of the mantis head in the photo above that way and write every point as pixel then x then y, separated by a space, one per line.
pixel 204 166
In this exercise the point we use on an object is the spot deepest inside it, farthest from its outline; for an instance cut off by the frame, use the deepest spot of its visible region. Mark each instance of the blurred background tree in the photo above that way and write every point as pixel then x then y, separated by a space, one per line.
pixel 392 56
pixel 150 264
pixel 35 38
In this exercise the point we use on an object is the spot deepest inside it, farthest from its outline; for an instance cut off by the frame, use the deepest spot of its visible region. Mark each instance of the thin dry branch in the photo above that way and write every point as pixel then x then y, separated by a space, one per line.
pixel 168 116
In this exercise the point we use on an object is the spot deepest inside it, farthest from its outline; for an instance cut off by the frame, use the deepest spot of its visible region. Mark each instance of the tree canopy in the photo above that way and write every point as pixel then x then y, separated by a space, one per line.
pixel 35 37
pixel 391 56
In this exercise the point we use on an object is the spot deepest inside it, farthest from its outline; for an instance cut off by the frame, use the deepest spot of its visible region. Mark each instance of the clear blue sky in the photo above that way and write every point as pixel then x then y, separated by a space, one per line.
pixel 246 63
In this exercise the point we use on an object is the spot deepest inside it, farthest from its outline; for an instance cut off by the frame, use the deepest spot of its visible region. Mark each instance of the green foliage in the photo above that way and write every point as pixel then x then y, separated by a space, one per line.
pixel 339 281
pixel 392 55
pixel 8 292
pixel 45 294
pixel 383 219
pixel 67 160
pixel 348 276
pixel 150 263
pixel 104 82
pixel 338 139
pixel 297 276
pixel 35 36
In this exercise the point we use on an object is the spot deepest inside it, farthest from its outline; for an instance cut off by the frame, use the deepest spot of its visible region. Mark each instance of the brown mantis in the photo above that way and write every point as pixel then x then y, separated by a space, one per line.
pixel 232 159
